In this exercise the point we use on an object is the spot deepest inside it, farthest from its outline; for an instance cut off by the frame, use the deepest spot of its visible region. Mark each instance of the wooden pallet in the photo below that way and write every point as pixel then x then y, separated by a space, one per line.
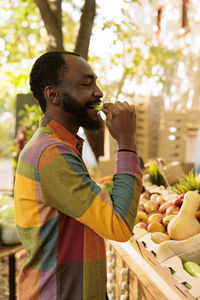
pixel 148 111
pixel 173 134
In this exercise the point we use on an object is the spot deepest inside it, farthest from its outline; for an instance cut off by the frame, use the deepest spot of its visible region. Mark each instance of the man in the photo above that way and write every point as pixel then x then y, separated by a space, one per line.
pixel 62 215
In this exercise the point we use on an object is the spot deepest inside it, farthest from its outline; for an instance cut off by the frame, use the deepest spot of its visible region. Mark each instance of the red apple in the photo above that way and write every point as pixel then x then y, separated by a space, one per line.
pixel 198 214
pixel 156 217
pixel 150 206
pixel 141 225
pixel 141 217
pixel 172 210
pixel 167 219
pixel 155 227
pixel 164 206
pixel 178 202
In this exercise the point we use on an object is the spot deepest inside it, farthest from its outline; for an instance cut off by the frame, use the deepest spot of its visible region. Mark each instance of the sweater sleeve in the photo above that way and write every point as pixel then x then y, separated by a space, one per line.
pixel 67 186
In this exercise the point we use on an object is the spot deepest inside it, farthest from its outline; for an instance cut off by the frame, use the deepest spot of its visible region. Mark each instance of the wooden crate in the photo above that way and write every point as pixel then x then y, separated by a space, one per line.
pixel 155 136
pixel 131 281
pixel 176 129
pixel 137 291
pixel 148 110
pixel 173 134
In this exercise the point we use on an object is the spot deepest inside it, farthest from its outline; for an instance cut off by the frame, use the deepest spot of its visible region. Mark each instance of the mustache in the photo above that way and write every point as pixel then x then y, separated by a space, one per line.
pixel 97 101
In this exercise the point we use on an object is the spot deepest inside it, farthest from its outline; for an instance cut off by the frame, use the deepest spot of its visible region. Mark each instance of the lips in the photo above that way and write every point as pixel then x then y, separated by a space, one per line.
pixel 94 104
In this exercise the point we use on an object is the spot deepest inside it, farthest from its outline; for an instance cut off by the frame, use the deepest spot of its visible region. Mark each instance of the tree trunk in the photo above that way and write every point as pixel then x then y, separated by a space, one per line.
pixel 51 14
pixel 95 139
pixel 85 29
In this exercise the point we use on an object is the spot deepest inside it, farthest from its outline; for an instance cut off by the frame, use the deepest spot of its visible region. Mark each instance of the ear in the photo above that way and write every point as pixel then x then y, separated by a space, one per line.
pixel 51 94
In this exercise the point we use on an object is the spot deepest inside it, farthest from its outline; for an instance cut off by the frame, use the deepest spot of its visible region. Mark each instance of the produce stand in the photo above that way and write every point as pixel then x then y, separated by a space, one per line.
pixel 156 262
pixel 142 282
pixel 9 251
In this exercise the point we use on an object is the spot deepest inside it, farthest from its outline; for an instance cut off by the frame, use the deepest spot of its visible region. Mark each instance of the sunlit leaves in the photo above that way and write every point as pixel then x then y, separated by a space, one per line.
pixel 141 58
pixel 22 31
pixel 23 38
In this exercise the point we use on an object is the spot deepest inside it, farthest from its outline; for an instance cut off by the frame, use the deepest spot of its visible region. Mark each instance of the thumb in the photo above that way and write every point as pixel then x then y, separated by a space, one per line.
pixel 107 109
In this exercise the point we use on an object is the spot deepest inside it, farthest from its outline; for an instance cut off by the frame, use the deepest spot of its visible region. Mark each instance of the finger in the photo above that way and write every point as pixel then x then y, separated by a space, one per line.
pixel 108 105
pixel 124 105
pixel 132 107
pixel 107 108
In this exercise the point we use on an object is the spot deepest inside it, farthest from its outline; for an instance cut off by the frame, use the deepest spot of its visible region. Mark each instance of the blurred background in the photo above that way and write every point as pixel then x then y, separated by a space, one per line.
pixel 144 52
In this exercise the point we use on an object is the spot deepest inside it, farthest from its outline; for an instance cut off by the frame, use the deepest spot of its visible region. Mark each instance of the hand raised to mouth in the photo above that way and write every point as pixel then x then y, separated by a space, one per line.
pixel 121 123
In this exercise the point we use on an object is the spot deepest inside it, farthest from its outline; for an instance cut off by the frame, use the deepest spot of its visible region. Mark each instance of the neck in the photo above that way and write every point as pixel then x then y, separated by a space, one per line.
pixel 66 120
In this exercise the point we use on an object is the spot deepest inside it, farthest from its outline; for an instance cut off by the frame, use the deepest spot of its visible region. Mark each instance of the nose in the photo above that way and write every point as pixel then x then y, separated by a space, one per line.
pixel 98 92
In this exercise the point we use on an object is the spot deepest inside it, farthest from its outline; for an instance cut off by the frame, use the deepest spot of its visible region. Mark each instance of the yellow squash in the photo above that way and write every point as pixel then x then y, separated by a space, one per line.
pixel 185 224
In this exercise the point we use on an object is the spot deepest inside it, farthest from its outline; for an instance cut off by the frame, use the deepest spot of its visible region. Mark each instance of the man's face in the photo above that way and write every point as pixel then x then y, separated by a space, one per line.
pixel 72 105
pixel 79 93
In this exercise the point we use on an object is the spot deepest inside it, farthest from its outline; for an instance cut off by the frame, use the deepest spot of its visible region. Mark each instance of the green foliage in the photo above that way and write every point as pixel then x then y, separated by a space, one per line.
pixel 144 57
pixel 30 119
pixel 155 174
pixel 4 145
pixel 23 31
pixel 7 124
pixel 23 37
pixel 140 57
pixel 6 199
pixel 190 182
pixel 7 212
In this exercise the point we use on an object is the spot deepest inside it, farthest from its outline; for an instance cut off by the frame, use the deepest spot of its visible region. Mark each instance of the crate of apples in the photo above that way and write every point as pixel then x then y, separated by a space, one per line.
pixel 154 212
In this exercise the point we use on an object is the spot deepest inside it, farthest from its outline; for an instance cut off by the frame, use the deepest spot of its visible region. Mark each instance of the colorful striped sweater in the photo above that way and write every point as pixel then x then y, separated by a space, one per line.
pixel 63 216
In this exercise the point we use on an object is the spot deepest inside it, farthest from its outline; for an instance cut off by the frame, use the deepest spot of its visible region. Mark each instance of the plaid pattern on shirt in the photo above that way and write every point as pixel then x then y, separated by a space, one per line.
pixel 62 216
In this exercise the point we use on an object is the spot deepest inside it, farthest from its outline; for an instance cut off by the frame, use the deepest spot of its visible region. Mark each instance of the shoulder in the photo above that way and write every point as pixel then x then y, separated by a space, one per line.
pixel 44 144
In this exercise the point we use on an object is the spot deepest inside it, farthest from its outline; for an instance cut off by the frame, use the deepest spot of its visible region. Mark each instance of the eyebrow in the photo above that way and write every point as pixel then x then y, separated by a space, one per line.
pixel 89 76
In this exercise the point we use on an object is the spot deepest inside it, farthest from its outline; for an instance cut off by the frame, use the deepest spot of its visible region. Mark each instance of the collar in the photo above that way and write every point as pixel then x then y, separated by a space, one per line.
pixel 74 141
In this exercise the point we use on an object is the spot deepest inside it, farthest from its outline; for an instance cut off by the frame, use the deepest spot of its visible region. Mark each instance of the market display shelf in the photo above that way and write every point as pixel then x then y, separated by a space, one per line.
pixel 152 279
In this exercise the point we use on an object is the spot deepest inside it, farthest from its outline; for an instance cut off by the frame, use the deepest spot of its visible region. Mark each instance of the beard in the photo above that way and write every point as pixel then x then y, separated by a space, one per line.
pixel 71 105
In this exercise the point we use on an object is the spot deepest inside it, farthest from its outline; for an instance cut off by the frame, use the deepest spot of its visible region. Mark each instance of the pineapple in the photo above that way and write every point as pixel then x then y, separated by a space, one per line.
pixel 155 174
pixel 190 182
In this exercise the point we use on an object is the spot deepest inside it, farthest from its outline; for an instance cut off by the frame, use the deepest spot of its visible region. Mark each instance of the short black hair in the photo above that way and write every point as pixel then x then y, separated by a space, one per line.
pixel 47 70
